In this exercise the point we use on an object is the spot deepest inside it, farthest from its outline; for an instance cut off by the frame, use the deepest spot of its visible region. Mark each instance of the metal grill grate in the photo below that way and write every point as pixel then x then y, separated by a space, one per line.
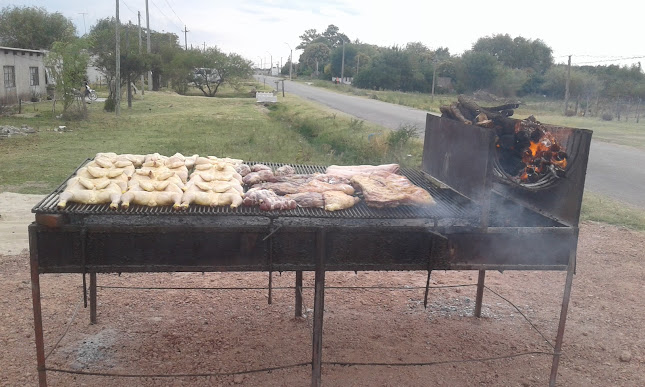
pixel 448 204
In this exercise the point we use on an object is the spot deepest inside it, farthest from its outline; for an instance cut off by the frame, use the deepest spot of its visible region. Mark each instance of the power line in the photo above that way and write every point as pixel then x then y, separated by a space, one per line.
pixel 170 20
pixel 173 11
pixel 128 7
pixel 610 60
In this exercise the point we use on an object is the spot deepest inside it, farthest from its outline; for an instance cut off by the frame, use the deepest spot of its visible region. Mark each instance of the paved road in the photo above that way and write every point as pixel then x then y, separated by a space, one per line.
pixel 614 170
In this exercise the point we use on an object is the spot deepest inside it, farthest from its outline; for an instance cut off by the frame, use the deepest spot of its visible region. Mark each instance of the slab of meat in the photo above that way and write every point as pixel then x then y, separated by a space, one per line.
pixel 352 170
pixel 308 199
pixel 268 200
pixel 260 167
pixel 259 176
pixel 285 170
pixel 313 185
pixel 243 169
pixel 385 189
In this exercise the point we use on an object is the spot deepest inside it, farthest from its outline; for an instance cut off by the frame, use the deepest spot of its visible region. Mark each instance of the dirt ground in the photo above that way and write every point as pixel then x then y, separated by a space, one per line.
pixel 221 331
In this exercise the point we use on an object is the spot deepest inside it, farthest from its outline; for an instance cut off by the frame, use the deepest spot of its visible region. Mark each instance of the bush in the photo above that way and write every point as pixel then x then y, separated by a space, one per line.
pixel 569 113
pixel 109 105
pixel 607 117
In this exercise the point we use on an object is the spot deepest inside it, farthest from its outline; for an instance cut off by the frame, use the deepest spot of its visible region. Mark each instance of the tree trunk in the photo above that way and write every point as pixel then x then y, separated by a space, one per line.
pixel 129 92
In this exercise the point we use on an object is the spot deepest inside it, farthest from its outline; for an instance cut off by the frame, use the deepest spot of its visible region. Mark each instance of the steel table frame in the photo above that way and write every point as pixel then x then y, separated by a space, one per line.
pixel 298 245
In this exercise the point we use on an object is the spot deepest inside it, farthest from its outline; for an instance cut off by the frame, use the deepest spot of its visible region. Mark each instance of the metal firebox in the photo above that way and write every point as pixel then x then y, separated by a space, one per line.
pixel 480 222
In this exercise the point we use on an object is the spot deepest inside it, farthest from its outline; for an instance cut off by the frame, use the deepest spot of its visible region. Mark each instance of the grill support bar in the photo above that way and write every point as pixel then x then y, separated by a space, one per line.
pixel 480 293
pixel 298 305
pixel 319 305
pixel 92 298
pixel 38 315
pixel 563 319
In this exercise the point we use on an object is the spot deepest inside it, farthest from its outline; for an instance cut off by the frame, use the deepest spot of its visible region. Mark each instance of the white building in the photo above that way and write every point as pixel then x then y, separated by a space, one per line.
pixel 24 75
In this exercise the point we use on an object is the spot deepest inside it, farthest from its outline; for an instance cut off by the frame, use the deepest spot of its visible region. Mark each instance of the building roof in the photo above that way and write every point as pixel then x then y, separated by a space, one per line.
pixel 22 49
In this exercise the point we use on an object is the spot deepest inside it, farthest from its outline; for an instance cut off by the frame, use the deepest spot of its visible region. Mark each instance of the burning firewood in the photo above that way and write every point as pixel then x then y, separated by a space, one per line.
pixel 526 149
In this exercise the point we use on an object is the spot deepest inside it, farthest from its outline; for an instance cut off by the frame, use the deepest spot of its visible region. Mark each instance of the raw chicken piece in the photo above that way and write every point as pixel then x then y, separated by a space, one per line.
pixel 152 193
pixel 77 191
pixel 210 198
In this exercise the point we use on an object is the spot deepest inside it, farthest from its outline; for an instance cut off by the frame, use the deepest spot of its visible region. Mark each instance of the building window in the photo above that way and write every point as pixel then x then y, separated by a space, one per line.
pixel 9 76
pixel 34 79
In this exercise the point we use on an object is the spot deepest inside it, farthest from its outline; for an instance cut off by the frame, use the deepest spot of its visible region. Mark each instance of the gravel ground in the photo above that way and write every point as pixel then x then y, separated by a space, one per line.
pixel 216 331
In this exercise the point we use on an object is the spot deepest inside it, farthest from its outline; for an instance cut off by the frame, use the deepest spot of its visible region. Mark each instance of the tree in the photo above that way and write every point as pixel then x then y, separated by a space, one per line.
pixel 218 69
pixel 315 53
pixel 307 38
pixel 68 63
pixel 33 28
pixel 477 70
pixel 103 50
pixel 518 53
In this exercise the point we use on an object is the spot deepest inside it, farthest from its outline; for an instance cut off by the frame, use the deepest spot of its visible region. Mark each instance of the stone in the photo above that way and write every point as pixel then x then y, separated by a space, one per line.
pixel 626 356
pixel 238 379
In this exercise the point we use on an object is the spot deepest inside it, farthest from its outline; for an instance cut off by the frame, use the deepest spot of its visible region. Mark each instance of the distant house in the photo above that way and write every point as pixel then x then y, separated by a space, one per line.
pixel 24 75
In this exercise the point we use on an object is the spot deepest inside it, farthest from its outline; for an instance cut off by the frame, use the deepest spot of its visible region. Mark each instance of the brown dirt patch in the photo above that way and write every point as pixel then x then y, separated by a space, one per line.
pixel 206 331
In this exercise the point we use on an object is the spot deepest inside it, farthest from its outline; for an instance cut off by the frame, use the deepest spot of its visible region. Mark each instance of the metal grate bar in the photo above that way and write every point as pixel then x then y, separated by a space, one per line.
pixel 448 203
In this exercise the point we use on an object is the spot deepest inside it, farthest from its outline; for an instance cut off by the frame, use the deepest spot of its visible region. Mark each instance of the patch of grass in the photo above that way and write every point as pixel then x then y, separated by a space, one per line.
pixel 292 131
pixel 600 208
pixel 344 138
pixel 162 122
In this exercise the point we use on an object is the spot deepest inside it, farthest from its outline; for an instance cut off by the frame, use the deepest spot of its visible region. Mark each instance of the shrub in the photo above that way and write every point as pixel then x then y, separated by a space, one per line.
pixel 109 105
pixel 569 113
pixel 607 117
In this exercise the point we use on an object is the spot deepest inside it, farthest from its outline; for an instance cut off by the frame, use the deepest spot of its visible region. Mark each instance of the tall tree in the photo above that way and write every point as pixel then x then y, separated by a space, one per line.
pixel 518 53
pixel 68 62
pixel 218 69
pixel 33 28
pixel 315 53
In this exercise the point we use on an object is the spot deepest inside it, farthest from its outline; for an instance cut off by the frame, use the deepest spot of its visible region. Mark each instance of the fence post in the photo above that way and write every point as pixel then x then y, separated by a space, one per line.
pixel 19 105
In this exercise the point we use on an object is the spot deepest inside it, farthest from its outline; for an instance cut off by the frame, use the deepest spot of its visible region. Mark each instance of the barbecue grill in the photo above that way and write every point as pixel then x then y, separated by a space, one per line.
pixel 480 222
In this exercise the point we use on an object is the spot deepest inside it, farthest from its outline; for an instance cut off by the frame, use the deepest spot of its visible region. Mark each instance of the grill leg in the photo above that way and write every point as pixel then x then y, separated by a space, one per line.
pixel 480 293
pixel 92 298
pixel 299 293
pixel 319 305
pixel 563 320
pixel 38 319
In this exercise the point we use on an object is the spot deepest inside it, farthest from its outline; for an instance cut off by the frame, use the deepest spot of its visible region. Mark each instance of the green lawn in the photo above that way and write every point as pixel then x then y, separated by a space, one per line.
pixel 167 123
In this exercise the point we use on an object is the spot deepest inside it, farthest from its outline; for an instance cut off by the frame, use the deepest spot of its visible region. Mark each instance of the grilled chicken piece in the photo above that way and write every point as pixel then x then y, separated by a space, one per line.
pixel 337 200
pixel 89 191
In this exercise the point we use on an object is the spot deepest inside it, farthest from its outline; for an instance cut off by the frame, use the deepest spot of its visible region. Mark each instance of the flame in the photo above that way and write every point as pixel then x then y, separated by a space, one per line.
pixel 540 154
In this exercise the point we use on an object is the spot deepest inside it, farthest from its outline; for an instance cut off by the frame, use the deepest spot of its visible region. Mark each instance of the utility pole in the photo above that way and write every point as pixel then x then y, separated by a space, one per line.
pixel 185 37
pixel 84 26
pixel 148 33
pixel 142 82
pixel 342 66
pixel 270 67
pixel 566 87
pixel 434 74
pixel 204 46
pixel 117 86
pixel 290 59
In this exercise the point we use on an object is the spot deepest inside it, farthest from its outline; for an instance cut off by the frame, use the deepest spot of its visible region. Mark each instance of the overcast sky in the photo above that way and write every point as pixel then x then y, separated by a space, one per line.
pixel 260 29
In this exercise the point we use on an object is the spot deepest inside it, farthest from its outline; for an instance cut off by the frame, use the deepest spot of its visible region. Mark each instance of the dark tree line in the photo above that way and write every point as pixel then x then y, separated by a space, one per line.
pixel 500 64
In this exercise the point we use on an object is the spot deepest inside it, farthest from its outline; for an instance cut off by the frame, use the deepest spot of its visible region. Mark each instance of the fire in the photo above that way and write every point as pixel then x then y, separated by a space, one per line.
pixel 542 154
